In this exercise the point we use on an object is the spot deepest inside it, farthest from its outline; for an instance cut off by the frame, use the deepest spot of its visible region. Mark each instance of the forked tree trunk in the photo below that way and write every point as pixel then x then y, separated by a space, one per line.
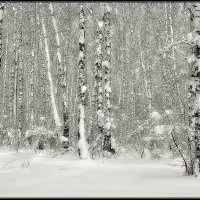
pixel 82 143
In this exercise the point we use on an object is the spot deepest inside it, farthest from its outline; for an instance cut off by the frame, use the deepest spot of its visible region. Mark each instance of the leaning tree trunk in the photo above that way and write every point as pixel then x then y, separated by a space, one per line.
pixel 82 143
pixel 62 82
pixel 194 87
pixel 107 145
pixel 53 101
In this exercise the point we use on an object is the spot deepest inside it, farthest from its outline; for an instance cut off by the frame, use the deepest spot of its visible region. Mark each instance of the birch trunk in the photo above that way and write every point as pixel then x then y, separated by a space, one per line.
pixel 107 144
pixel 82 143
pixel 194 86
pixel 53 102
pixel 98 90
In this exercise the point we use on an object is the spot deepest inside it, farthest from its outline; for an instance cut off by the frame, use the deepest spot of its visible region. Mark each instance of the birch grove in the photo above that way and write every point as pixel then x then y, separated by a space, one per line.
pixel 101 80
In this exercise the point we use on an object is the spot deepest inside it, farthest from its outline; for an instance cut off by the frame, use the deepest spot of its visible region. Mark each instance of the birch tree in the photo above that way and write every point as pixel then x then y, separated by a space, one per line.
pixel 194 86
pixel 107 145
pixel 99 77
pixel 82 142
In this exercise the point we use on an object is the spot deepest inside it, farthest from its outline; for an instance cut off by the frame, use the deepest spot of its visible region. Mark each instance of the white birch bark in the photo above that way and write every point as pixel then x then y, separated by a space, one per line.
pixel 194 85
pixel 107 144
pixel 98 76
pixel 82 143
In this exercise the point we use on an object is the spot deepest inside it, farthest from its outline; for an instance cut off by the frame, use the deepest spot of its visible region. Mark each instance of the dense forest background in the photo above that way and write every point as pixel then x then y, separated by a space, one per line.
pixel 148 90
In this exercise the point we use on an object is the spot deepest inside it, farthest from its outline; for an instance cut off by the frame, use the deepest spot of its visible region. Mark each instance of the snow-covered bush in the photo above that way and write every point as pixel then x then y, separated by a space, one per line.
pixel 155 116
pixel 40 138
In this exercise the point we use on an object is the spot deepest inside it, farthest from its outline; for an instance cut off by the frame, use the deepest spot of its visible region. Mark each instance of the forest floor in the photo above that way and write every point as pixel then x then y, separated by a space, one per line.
pixel 26 174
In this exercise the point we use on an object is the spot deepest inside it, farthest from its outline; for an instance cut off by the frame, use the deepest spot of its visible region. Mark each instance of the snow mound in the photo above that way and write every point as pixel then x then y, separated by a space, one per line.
pixel 155 116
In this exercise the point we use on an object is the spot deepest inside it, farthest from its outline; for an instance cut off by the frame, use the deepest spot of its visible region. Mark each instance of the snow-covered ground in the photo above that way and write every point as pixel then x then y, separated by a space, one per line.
pixel 26 174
